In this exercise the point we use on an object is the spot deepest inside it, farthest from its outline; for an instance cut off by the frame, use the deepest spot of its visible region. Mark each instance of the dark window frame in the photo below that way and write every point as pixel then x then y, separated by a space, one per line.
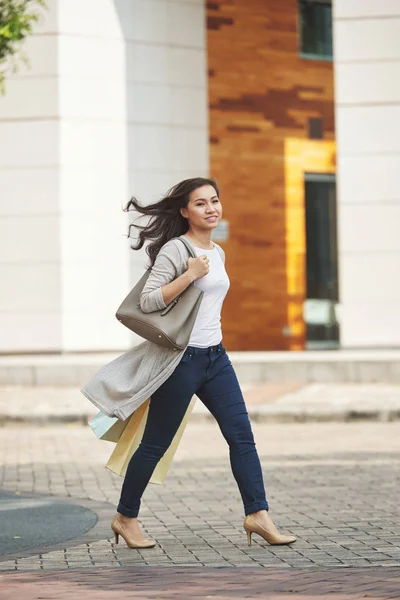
pixel 311 55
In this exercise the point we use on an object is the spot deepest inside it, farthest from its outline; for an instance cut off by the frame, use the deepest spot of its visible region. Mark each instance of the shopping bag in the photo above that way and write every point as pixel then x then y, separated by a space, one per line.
pixel 131 438
pixel 107 428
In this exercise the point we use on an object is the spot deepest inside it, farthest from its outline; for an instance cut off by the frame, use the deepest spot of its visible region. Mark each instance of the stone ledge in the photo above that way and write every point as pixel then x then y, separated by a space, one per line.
pixel 360 366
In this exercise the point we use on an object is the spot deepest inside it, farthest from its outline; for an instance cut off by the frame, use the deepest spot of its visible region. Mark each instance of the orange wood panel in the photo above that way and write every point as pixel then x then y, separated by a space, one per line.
pixel 261 94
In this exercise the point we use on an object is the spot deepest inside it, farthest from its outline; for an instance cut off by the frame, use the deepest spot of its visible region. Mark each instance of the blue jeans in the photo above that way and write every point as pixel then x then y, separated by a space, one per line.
pixel 208 373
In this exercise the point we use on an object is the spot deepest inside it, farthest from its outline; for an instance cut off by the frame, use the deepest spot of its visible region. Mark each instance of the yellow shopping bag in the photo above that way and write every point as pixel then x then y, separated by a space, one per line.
pixel 131 438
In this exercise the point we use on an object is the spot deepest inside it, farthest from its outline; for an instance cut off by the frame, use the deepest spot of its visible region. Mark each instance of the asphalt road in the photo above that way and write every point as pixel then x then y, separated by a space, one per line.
pixel 29 521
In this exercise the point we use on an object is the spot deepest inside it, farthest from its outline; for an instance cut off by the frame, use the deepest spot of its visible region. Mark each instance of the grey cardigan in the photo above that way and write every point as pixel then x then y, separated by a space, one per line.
pixel 122 385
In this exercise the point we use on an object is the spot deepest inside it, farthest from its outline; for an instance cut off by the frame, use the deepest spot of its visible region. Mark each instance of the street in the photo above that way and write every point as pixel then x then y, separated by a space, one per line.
pixel 333 485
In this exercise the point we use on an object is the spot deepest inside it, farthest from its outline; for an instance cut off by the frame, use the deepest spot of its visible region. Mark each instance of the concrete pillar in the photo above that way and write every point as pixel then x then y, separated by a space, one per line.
pixel 114 105
pixel 167 98
pixel 367 66
pixel 30 249
pixel 93 172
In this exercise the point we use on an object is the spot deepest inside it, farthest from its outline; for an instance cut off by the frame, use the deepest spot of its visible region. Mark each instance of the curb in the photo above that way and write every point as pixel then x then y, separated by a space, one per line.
pixel 326 417
pixel 257 415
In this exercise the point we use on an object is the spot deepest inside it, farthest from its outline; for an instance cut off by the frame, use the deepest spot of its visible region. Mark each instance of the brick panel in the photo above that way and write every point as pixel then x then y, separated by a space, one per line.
pixel 260 94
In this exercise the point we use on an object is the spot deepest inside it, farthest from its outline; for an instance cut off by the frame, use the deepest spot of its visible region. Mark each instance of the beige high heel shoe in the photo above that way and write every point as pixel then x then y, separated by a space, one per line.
pixel 118 530
pixel 270 534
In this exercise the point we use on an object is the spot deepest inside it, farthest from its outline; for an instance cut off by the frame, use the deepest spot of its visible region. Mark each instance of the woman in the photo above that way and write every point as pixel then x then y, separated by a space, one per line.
pixel 193 209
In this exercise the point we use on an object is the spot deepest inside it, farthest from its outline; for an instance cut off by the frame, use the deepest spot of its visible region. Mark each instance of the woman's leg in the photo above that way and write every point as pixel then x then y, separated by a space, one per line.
pixel 222 395
pixel 167 408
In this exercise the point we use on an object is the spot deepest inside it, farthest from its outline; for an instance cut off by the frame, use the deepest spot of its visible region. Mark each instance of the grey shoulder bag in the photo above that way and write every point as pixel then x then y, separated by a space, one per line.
pixel 170 327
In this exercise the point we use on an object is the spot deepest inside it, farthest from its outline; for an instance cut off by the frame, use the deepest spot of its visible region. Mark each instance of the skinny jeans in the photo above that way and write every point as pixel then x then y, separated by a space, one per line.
pixel 208 373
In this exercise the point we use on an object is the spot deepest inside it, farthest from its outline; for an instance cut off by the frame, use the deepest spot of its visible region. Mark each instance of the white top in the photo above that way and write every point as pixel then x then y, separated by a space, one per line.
pixel 207 327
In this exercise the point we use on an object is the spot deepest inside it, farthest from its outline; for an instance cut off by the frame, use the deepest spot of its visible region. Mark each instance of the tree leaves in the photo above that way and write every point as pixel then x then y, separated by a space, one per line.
pixel 17 18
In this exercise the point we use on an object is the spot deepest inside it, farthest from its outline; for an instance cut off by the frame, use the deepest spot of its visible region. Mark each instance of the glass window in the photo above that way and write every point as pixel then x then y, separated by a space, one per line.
pixel 322 297
pixel 315 18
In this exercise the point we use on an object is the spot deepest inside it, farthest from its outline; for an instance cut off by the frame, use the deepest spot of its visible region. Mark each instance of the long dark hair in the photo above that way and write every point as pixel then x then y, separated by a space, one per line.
pixel 166 221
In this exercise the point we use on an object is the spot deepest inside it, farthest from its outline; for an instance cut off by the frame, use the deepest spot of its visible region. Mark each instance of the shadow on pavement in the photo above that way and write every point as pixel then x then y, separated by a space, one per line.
pixel 29 521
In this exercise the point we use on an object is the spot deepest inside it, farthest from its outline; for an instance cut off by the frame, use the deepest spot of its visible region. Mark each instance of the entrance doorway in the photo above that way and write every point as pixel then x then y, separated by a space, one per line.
pixel 322 293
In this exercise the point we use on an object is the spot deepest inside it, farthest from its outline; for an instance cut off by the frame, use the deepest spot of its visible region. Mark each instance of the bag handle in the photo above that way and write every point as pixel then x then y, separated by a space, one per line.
pixel 188 245
pixel 191 251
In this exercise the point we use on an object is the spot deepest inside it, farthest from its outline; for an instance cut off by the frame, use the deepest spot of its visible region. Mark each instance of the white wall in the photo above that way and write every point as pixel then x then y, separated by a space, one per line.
pixel 30 298
pixel 114 105
pixel 367 68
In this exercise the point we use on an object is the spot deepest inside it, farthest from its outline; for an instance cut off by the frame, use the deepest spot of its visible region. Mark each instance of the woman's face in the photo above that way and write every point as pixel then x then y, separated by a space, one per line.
pixel 204 210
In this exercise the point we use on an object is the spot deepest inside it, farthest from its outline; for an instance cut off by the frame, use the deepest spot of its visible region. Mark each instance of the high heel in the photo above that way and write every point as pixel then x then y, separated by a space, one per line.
pixel 270 535
pixel 118 530
pixel 249 536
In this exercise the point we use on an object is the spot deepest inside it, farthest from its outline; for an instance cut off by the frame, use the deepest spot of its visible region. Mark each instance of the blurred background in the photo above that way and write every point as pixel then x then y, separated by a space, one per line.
pixel 292 105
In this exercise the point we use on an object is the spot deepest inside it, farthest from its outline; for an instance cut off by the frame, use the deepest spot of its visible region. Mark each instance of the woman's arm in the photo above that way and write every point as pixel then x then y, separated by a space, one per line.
pixel 163 272
pixel 163 285
pixel 170 291
pixel 197 268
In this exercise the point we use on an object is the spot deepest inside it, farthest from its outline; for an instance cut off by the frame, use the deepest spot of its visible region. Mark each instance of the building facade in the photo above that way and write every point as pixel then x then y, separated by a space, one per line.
pixel 127 97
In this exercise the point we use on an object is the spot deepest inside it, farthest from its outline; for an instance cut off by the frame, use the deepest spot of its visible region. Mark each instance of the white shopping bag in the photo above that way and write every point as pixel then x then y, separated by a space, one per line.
pixel 107 428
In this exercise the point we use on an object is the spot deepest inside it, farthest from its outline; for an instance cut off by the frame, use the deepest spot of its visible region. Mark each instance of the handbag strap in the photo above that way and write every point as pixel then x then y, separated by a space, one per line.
pixel 193 254
pixel 188 245
pixel 191 250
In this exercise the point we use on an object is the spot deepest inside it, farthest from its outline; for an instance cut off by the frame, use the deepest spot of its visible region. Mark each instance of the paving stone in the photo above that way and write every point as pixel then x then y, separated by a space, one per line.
pixel 321 484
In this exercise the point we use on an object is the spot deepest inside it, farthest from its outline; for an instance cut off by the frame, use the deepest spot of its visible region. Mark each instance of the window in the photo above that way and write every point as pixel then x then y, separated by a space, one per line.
pixel 315 19
pixel 321 306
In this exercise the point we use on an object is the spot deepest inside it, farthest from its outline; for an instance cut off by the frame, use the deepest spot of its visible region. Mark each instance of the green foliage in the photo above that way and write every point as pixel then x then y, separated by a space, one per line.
pixel 17 18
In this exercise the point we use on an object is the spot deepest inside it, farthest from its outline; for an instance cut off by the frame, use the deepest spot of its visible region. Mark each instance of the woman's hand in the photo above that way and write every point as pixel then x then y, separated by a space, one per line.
pixel 198 267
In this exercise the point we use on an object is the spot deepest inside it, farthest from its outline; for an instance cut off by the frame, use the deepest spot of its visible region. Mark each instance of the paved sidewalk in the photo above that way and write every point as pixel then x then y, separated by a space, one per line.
pixel 334 485
pixel 266 402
